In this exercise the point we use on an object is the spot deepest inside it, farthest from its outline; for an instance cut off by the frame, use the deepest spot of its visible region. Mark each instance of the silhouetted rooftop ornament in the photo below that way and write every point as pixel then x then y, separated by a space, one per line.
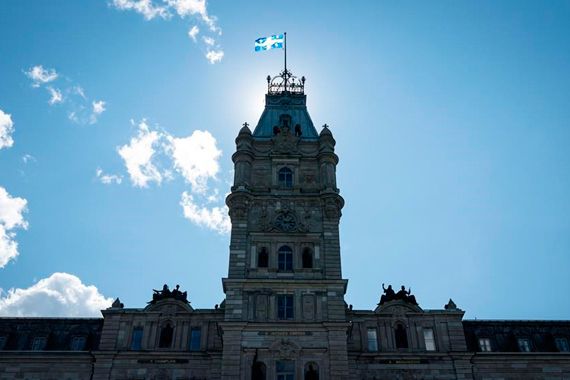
pixel 117 304
pixel 285 82
pixel 402 295
pixel 166 293
pixel 450 305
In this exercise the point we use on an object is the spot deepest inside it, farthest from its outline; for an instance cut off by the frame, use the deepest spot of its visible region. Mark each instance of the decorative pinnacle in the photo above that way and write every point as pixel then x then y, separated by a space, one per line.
pixel 245 124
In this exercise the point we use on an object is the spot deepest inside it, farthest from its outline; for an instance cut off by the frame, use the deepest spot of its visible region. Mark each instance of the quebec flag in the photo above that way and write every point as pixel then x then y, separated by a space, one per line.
pixel 266 43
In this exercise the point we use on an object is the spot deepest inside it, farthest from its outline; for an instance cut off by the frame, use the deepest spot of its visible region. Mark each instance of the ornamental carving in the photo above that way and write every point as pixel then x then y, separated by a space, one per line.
pixel 285 349
pixel 332 208
pixel 287 221
pixel 284 141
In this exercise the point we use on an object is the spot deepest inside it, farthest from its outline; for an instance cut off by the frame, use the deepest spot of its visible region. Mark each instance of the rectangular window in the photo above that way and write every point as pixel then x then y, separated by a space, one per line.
pixel 372 337
pixel 136 340
pixel 561 344
pixel 285 370
pixel 429 339
pixel 524 345
pixel 3 340
pixel 39 343
pixel 195 338
pixel 285 306
pixel 485 344
pixel 78 343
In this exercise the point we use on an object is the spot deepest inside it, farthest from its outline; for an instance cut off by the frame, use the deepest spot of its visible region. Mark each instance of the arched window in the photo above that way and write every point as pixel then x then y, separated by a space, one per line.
pixel 401 336
pixel 263 258
pixel 285 178
pixel 166 333
pixel 307 258
pixel 285 258
pixel 258 371
pixel 311 371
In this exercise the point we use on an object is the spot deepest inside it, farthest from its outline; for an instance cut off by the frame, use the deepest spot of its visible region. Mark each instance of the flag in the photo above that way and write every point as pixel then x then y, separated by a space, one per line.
pixel 265 43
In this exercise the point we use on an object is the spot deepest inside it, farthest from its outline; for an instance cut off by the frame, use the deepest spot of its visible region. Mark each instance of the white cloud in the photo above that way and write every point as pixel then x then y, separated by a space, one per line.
pixel 144 7
pixel 79 108
pixel 196 158
pixel 108 179
pixel 195 7
pixel 79 91
pixel 28 158
pixel 6 130
pixel 138 155
pixel 214 56
pixel 165 9
pixel 59 295
pixel 40 76
pixel 215 218
pixel 56 96
pixel 193 33
pixel 208 41
pixel 11 217
pixel 98 107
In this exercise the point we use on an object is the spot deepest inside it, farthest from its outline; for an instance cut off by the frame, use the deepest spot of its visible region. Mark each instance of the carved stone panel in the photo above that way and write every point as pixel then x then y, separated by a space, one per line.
pixel 308 307
pixel 261 303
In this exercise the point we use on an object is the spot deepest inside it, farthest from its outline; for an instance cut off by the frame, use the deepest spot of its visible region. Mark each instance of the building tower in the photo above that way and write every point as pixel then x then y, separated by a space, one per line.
pixel 285 315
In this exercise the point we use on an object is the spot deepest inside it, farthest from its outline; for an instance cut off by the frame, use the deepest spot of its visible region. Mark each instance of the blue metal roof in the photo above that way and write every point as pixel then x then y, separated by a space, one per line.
pixel 285 103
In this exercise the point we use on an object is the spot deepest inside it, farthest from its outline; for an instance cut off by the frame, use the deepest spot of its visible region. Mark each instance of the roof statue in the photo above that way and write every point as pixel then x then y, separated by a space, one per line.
pixel 401 295
pixel 166 293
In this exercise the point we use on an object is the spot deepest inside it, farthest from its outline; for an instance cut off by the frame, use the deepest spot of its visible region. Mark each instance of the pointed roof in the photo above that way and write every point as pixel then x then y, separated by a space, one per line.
pixel 285 102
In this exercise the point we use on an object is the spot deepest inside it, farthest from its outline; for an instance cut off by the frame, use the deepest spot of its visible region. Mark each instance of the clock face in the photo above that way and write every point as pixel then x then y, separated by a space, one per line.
pixel 285 222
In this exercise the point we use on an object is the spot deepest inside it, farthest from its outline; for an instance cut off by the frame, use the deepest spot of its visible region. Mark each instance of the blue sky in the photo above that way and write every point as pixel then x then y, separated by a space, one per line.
pixel 451 120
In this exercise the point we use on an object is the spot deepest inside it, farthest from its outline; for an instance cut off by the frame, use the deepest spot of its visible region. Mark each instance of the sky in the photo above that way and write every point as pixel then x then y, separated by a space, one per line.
pixel 452 122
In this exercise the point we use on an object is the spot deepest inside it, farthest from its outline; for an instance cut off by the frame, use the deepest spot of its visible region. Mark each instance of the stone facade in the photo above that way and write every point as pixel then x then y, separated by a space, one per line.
pixel 284 315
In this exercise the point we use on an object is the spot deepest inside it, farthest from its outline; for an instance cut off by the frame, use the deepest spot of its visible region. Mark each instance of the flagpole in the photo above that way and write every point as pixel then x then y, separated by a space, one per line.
pixel 285 45
pixel 285 34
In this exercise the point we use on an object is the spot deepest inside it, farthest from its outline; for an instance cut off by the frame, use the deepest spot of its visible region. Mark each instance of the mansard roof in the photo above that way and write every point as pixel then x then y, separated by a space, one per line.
pixel 285 99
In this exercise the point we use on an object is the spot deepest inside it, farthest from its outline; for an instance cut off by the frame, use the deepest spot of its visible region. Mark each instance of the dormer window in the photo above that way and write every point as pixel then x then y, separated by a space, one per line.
pixel 78 343
pixel 39 343
pixel 524 345
pixel 285 178
pixel 285 121
pixel 136 338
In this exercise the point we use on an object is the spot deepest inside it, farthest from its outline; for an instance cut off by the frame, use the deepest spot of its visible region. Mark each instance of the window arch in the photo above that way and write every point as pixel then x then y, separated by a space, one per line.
pixel 285 258
pixel 166 334
pixel 285 177
pixel 401 336
pixel 262 258
pixel 307 258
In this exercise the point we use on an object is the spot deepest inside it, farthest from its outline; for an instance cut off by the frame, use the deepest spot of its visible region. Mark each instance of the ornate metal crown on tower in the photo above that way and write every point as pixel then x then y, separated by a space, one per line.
pixel 285 82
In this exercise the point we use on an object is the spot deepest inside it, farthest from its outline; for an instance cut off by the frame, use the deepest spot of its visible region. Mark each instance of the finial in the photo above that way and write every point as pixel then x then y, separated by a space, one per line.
pixel 325 126
pixel 245 124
